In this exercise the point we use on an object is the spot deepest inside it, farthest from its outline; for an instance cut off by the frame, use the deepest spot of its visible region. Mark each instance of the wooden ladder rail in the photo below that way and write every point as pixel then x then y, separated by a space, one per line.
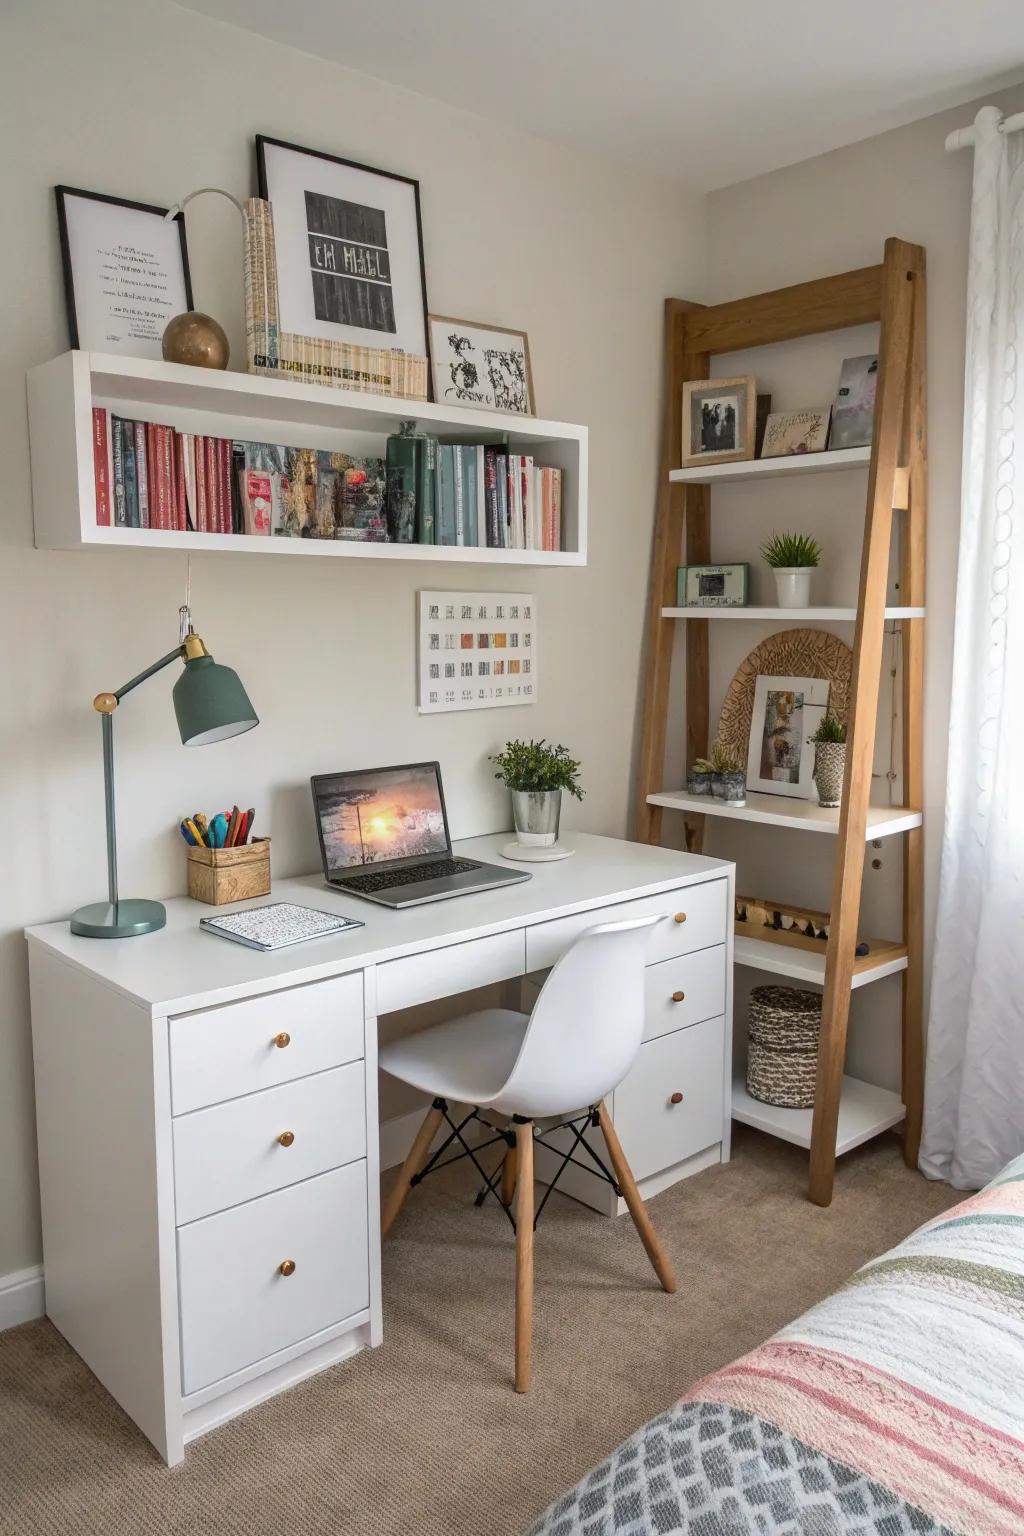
pixel 899 412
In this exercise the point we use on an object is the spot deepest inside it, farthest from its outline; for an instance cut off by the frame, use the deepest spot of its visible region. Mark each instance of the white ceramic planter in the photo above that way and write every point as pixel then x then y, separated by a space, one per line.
pixel 793 585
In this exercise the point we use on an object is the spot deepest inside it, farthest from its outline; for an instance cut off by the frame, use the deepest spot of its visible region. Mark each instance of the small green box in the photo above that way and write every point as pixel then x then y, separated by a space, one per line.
pixel 712 586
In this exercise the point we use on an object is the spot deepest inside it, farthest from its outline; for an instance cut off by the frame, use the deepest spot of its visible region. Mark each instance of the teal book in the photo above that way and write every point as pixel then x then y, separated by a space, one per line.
pixel 426 489
pixel 459 485
pixel 444 525
pixel 469 481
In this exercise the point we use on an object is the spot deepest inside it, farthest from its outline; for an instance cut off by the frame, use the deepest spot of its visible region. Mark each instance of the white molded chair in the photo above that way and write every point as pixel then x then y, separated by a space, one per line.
pixel 575 1048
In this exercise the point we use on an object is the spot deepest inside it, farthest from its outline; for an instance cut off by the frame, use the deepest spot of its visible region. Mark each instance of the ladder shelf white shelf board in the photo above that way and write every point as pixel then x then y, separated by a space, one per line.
pixel 770 469
pixel 786 615
pixel 809 965
pixel 780 811
pixel 864 1111
pixel 63 392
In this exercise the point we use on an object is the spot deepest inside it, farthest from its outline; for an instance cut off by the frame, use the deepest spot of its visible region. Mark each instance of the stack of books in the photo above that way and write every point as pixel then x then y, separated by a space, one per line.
pixel 470 494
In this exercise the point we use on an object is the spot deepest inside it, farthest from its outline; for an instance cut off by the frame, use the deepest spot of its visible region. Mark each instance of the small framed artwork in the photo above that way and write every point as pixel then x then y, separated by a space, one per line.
pixel 853 415
pixel 712 586
pixel 349 248
pixel 477 650
pixel 484 365
pixel 125 272
pixel 787 710
pixel 788 432
pixel 719 421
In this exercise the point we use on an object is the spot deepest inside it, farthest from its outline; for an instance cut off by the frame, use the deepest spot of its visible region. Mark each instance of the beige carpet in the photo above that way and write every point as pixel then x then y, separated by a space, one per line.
pixel 424 1437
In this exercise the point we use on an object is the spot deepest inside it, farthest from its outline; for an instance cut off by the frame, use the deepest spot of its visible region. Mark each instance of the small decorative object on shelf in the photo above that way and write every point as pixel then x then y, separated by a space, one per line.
pixel 713 586
pixel 698 780
pixel 782 1033
pixel 536 774
pixel 197 340
pixel 728 780
pixel 719 421
pixel 853 415
pixel 789 432
pixel 481 365
pixel 792 557
pixel 829 742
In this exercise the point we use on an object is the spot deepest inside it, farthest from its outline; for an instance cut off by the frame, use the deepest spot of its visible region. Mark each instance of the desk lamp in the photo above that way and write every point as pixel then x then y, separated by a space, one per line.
pixel 211 705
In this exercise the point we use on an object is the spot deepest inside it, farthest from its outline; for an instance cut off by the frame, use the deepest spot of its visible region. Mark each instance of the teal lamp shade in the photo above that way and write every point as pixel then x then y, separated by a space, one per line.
pixel 210 703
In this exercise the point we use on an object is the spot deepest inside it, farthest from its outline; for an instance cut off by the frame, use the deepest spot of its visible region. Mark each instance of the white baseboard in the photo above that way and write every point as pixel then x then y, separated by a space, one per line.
pixel 21 1297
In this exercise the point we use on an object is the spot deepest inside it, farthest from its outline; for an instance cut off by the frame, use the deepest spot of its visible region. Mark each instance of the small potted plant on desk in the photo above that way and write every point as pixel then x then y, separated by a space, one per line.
pixel 792 557
pixel 536 774
pixel 829 759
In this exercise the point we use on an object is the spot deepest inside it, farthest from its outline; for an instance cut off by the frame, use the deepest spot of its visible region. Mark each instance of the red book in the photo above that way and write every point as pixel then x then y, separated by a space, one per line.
pixel 101 463
pixel 225 446
pixel 167 477
pixel 212 491
pixel 180 501
pixel 202 513
pixel 153 474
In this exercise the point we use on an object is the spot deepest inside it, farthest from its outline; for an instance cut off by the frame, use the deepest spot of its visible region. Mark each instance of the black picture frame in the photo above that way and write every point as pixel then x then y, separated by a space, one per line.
pixel 262 140
pixel 63 192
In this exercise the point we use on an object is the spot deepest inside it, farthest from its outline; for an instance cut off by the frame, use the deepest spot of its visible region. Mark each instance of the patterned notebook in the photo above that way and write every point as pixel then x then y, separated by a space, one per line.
pixel 276 925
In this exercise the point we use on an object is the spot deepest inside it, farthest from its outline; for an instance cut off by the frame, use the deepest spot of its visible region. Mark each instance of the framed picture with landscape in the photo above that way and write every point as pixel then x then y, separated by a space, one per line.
pixel 484 365
pixel 719 421
pixel 787 710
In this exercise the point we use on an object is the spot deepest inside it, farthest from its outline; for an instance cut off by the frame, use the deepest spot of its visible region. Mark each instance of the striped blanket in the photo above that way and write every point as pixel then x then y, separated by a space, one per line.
pixel 895 1408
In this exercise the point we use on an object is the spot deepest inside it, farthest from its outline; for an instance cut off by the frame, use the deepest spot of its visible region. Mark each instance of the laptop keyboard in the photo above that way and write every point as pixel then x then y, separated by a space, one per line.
pixel 386 879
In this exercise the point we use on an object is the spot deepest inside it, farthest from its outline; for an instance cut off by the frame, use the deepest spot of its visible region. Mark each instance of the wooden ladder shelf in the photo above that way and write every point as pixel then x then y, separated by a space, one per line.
pixel 892 294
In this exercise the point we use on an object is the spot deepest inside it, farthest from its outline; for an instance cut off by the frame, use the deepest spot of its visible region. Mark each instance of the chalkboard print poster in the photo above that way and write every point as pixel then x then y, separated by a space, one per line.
pixel 349 248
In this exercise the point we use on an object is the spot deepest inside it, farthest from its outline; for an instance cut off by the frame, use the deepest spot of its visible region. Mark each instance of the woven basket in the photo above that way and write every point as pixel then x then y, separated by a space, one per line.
pixel 783 1032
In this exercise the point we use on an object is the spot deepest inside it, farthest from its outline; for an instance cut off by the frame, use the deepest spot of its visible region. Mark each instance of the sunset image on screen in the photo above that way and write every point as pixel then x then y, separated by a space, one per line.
pixel 394 814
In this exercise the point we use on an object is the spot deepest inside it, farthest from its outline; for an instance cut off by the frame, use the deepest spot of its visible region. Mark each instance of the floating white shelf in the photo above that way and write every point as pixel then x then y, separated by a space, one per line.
pixel 809 965
pixel 769 469
pixel 780 811
pixel 786 615
pixel 63 392
pixel 864 1111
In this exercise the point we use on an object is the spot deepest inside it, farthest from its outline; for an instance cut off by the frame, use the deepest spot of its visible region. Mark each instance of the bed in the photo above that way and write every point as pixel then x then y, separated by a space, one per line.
pixel 894 1408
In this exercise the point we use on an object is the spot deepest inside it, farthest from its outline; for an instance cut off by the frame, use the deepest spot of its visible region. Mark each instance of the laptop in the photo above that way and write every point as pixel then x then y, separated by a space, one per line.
pixel 384 836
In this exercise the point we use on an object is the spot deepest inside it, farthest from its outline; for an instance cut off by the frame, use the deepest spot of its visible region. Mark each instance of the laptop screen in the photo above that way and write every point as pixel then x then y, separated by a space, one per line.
pixel 380 815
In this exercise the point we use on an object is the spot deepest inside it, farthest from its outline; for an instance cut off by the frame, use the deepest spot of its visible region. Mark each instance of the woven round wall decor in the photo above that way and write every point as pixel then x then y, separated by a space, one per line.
pixel 790 653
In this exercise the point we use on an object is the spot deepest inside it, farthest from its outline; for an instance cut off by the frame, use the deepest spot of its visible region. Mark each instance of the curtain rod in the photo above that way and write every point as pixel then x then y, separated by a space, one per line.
pixel 964 138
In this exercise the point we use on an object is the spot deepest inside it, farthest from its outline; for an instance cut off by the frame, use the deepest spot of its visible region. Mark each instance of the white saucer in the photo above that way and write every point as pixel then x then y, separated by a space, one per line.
pixel 523 854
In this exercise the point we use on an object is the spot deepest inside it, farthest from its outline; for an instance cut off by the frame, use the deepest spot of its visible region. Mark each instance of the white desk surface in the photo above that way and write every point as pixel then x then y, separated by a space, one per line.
pixel 181 967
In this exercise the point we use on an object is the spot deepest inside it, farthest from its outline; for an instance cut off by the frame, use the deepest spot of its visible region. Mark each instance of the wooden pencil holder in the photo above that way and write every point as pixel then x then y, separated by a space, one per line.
pixel 220 875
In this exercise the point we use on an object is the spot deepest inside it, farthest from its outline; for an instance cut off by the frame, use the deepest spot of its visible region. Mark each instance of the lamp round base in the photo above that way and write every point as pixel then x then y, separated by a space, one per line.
pixel 125 920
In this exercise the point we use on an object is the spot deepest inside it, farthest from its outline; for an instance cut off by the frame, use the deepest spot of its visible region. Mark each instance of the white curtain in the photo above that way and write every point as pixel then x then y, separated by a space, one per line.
pixel 974 1094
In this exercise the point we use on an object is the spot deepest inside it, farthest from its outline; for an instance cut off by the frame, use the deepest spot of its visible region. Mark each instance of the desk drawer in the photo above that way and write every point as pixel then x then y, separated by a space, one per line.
pixel 236 1305
pixel 223 1053
pixel 443 972
pixel 701 907
pixel 234 1152
pixel 684 991
pixel 655 1133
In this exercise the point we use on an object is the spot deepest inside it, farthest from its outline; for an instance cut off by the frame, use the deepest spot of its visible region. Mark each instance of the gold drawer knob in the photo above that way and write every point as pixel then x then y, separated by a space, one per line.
pixel 286 1267
pixel 281 1040
pixel 676 1098
pixel 678 997
pixel 680 917
pixel 286 1138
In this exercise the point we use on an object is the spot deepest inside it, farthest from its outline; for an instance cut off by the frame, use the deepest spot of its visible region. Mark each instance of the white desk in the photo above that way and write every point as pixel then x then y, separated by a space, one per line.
pixel 169 1067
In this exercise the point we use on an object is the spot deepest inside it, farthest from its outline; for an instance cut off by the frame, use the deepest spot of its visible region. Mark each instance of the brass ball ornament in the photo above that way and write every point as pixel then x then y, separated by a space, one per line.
pixel 196 340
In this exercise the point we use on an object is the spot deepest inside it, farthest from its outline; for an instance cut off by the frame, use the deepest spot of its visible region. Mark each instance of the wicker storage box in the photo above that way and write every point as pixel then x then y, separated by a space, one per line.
pixel 219 875
pixel 782 1063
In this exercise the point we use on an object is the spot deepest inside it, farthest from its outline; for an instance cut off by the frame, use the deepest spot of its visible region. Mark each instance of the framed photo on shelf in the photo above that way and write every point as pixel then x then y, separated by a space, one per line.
pixel 349 248
pixel 719 421
pixel 853 415
pixel 787 710
pixel 125 272
pixel 712 586
pixel 481 365
pixel 790 432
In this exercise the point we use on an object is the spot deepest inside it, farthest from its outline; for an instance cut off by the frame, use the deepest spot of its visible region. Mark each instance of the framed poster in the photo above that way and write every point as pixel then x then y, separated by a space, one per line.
pixel 349 248
pixel 477 650
pixel 484 365
pixel 719 421
pixel 787 710
pixel 125 272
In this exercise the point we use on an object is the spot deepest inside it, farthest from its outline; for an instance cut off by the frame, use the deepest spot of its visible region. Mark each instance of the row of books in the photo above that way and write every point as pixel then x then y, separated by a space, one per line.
pixel 150 476
pixel 471 494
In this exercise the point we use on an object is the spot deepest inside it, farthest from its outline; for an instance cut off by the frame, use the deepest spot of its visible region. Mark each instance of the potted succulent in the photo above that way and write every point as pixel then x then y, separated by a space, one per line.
pixel 729 778
pixel 829 759
pixel 536 774
pixel 792 556
pixel 700 776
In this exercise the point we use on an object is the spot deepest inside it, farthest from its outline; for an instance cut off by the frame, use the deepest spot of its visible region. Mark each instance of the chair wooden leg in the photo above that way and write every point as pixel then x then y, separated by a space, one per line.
pixel 412 1165
pixel 624 1175
pixel 524 1257
pixel 508 1177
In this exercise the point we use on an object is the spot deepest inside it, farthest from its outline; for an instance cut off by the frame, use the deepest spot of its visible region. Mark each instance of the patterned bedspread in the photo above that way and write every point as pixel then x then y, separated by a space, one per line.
pixel 895 1408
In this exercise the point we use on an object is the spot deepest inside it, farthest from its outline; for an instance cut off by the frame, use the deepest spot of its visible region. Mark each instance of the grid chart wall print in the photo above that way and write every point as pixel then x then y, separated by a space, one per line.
pixel 477 650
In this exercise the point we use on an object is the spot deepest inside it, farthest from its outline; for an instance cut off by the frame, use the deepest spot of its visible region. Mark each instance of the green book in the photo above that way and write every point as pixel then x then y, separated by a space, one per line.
pixel 444 515
pixel 401 487
pixel 426 489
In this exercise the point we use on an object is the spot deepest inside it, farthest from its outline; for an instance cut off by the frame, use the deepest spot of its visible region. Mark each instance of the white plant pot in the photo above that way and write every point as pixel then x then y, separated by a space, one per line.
pixel 793 585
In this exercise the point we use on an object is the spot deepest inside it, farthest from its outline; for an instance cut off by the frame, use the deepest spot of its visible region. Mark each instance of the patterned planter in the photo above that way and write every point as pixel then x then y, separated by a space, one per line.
pixel 698 783
pixel 730 787
pixel 829 771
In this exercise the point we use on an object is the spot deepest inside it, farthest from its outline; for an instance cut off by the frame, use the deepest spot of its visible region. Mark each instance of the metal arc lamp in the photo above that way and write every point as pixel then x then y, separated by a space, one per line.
pixel 210 705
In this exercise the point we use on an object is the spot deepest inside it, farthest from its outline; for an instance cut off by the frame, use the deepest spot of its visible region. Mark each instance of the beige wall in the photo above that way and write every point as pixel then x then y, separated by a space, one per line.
pixel 148 101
